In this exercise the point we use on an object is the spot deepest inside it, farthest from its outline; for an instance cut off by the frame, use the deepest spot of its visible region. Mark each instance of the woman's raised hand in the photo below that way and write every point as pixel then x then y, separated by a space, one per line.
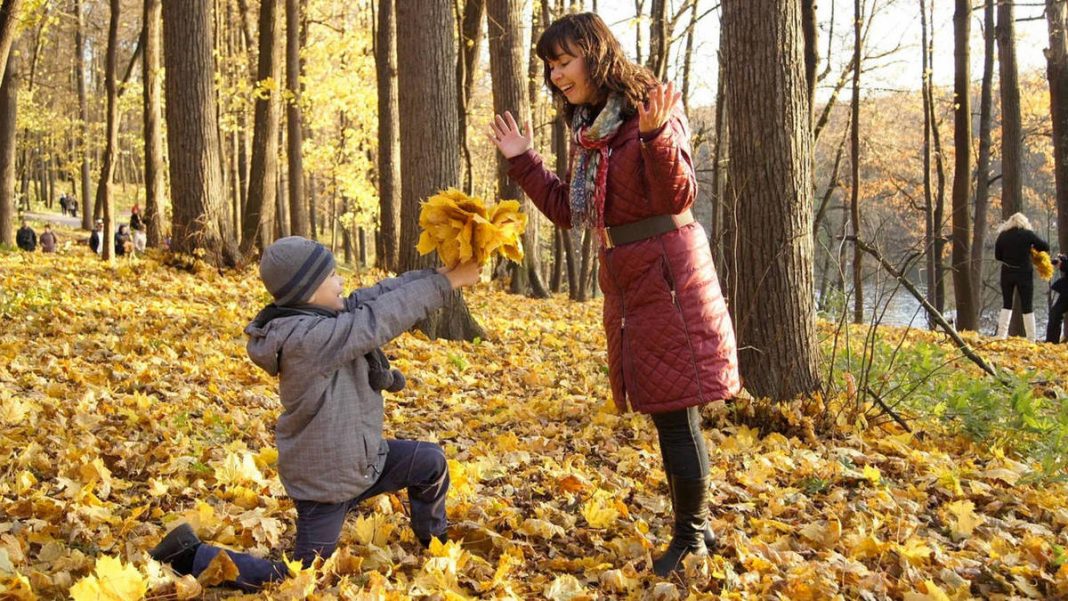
pixel 504 133
pixel 654 112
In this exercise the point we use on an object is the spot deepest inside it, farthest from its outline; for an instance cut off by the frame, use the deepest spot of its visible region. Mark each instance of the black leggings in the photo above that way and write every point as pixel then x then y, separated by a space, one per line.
pixel 682 444
pixel 1012 281
pixel 1056 318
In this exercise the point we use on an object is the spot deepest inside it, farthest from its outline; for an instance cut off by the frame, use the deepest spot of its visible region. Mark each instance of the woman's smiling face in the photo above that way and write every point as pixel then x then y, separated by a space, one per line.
pixel 570 75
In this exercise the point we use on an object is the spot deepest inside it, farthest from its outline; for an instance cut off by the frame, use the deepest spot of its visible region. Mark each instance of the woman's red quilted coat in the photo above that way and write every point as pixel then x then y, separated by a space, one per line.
pixel 670 339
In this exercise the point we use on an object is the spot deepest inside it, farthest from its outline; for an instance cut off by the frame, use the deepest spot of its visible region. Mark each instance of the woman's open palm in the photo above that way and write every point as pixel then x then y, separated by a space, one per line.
pixel 654 112
pixel 504 133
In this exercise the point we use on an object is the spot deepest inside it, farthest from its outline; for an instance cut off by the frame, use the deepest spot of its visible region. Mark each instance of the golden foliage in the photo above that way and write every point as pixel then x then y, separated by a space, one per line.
pixel 461 228
pixel 127 403
pixel 1043 264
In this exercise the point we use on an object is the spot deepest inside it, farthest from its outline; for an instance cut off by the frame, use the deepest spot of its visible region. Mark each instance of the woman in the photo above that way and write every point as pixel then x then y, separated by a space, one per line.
pixel 123 243
pixel 670 341
pixel 1013 250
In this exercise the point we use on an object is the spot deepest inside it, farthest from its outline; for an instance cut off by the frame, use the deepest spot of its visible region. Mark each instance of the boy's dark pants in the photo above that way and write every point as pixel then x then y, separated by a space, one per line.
pixel 1056 317
pixel 418 466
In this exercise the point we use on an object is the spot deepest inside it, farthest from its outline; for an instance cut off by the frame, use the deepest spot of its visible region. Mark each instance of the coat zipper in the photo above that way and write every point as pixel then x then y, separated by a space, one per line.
pixel 622 331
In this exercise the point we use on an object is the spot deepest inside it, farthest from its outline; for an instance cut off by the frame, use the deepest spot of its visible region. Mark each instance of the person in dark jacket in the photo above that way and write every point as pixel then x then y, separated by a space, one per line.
pixel 26 238
pixel 1013 249
pixel 123 241
pixel 671 345
pixel 331 452
pixel 96 238
pixel 1060 304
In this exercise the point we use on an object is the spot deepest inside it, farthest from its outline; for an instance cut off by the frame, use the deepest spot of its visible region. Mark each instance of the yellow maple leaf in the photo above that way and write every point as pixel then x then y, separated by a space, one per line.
pixel 600 510
pixel 823 533
pixel 962 519
pixel 111 580
pixel 221 569
pixel 931 592
pixel 565 588
pixel 238 468
pixel 872 474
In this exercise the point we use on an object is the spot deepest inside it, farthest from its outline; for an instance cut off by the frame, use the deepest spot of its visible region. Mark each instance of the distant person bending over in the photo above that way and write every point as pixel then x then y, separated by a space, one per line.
pixel 137 225
pixel 324 348
pixel 26 238
pixel 1060 303
pixel 671 344
pixel 48 239
pixel 1013 249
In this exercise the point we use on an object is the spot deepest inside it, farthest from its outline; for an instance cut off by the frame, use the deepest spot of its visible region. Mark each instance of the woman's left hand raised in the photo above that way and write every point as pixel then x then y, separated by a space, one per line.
pixel 654 112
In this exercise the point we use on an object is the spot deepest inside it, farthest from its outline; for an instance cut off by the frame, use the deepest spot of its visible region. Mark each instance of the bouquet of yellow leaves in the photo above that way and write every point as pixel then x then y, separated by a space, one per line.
pixel 461 228
pixel 1042 264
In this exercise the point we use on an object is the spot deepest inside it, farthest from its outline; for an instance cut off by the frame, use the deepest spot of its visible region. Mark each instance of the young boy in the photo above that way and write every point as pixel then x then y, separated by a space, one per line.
pixel 331 454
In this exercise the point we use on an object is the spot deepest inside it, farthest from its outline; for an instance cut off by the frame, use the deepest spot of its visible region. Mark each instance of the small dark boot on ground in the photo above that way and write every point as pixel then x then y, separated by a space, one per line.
pixel 178 548
pixel 690 501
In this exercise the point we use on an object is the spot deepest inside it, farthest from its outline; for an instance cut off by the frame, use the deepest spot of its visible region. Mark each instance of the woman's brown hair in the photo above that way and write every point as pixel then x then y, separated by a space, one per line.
pixel 587 35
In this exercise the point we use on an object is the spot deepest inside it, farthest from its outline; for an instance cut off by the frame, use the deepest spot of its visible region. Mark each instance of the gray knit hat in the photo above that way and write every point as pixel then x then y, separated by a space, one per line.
pixel 293 268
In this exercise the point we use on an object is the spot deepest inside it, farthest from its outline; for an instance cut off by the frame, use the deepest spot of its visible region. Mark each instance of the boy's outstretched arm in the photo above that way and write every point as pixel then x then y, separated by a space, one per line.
pixel 331 342
pixel 362 295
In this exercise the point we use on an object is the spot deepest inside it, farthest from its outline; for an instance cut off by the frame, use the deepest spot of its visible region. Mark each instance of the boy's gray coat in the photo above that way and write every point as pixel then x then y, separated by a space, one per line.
pixel 329 437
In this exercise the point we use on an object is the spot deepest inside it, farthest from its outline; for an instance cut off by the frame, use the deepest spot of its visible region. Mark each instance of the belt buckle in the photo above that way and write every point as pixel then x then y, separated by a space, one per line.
pixel 606 239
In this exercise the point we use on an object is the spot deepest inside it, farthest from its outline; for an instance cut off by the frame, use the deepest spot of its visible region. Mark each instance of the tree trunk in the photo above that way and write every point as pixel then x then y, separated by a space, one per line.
pixel 810 31
pixel 771 148
pixel 687 61
pixel 83 113
pixel 967 311
pixel 930 224
pixel 8 111
pixel 854 146
pixel 659 39
pixel 263 177
pixel 153 124
pixel 426 57
pixel 1011 130
pixel 107 166
pixel 1057 73
pixel 982 183
pixel 508 43
pixel 466 66
pixel 389 185
pixel 201 223
pixel 298 210
pixel 9 19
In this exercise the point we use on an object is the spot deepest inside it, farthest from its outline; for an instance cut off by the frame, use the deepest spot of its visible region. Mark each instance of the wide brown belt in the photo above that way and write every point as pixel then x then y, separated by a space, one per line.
pixel 646 228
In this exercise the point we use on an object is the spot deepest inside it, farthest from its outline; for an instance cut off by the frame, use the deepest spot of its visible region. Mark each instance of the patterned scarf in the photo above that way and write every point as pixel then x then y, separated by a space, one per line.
pixel 589 161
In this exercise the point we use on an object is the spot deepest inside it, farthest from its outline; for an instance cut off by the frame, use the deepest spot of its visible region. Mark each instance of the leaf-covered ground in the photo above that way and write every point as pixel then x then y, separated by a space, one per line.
pixel 127 404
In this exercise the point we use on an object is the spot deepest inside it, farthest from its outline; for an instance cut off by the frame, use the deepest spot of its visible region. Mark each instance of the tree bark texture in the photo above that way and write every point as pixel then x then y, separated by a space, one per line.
pixel 83 113
pixel 153 123
pixel 967 311
pixel 770 175
pixel 508 43
pixel 426 57
pixel 1011 121
pixel 299 223
pixel 263 176
pixel 1057 73
pixel 107 166
pixel 201 224
pixel 8 110
pixel 982 169
pixel 854 145
pixel 389 185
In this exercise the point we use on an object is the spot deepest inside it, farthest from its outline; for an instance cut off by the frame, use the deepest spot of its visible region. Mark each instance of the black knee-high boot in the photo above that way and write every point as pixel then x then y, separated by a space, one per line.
pixel 690 501
pixel 710 537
